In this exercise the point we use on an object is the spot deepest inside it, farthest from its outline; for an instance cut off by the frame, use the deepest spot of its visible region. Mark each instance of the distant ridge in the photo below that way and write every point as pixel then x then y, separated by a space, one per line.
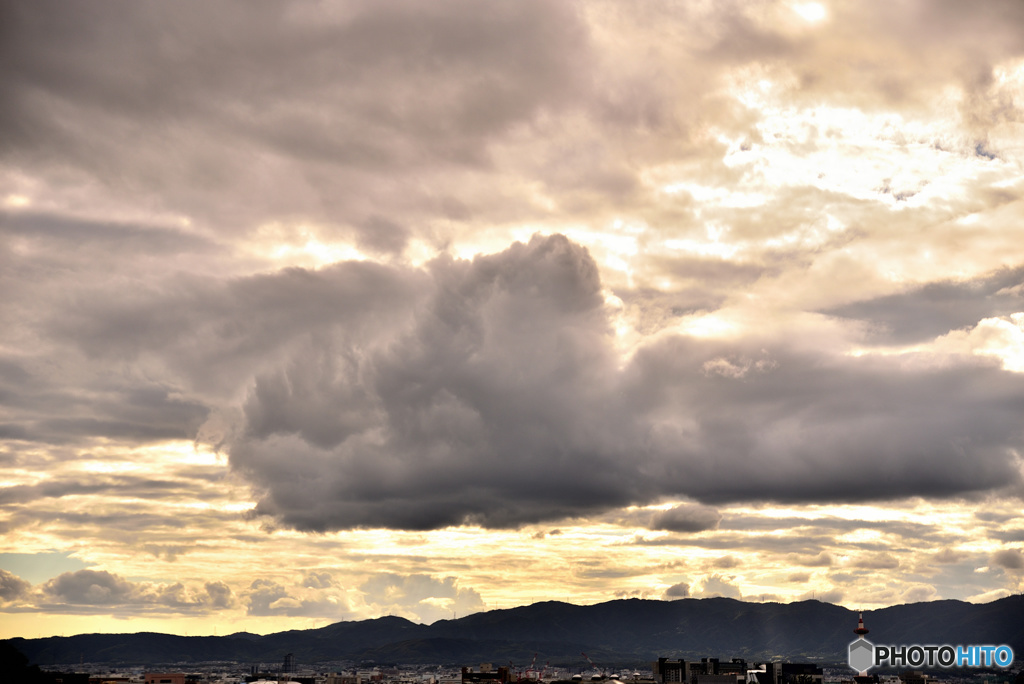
pixel 622 633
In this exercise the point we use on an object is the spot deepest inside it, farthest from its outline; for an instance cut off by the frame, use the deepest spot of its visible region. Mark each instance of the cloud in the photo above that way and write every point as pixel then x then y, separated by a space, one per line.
pixel 421 597
pixel 878 561
pixel 686 518
pixel 716 585
pixel 318 580
pixel 251 225
pixel 946 556
pixel 58 487
pixel 266 597
pixel 1011 559
pixel 919 593
pixel 136 412
pixel 100 592
pixel 221 595
pixel 92 587
pixel 927 311
pixel 283 106
pixel 12 587
pixel 729 561
pixel 677 591
pixel 504 369
pixel 821 560
pixel 489 388
pixel 213 335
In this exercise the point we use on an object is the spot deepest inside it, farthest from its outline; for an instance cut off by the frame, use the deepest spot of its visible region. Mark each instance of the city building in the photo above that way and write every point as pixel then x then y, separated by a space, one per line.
pixel 735 671
pixel 486 675
pixel 801 673
pixel 164 678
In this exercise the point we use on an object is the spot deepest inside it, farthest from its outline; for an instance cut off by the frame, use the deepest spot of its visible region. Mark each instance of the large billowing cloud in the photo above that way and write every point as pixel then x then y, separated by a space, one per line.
pixel 502 401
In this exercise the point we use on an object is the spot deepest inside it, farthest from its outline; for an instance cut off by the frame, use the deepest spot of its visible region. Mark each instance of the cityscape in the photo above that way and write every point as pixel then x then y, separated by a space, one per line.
pixel 662 671
pixel 129 663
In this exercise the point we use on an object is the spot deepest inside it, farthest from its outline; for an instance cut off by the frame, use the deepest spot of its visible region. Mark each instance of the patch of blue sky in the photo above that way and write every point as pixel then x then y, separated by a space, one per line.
pixel 39 567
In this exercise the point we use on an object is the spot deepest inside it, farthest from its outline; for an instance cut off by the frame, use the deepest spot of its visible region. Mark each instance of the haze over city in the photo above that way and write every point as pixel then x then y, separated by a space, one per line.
pixel 326 311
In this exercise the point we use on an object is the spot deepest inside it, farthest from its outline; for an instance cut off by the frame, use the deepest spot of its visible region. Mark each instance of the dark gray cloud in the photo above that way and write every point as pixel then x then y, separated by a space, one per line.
pixel 485 394
pixel 686 518
pixel 176 484
pixel 678 591
pixel 101 355
pixel 1011 559
pixel 57 488
pixel 41 404
pixel 934 309
pixel 214 334
pixel 500 402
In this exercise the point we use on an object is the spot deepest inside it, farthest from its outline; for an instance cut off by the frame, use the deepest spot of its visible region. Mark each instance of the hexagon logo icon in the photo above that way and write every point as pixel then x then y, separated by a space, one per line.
pixel 862 655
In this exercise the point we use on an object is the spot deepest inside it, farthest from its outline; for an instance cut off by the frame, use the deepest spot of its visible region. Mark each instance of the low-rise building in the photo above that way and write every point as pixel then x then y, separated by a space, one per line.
pixel 164 678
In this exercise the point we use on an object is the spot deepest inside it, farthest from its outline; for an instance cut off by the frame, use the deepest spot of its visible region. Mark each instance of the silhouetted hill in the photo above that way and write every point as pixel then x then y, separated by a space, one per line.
pixel 621 632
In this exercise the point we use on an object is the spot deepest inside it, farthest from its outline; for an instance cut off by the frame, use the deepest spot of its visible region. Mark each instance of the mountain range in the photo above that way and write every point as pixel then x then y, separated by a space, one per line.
pixel 621 633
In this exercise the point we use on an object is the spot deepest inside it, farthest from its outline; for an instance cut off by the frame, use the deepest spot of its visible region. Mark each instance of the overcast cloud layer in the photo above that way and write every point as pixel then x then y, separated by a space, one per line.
pixel 427 275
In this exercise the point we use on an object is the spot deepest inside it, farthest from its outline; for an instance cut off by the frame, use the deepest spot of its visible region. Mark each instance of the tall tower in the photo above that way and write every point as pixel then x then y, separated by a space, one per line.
pixel 861 630
pixel 861 650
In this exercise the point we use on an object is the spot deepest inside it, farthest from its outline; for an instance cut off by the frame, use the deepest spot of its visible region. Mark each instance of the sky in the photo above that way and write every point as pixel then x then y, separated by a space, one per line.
pixel 327 311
